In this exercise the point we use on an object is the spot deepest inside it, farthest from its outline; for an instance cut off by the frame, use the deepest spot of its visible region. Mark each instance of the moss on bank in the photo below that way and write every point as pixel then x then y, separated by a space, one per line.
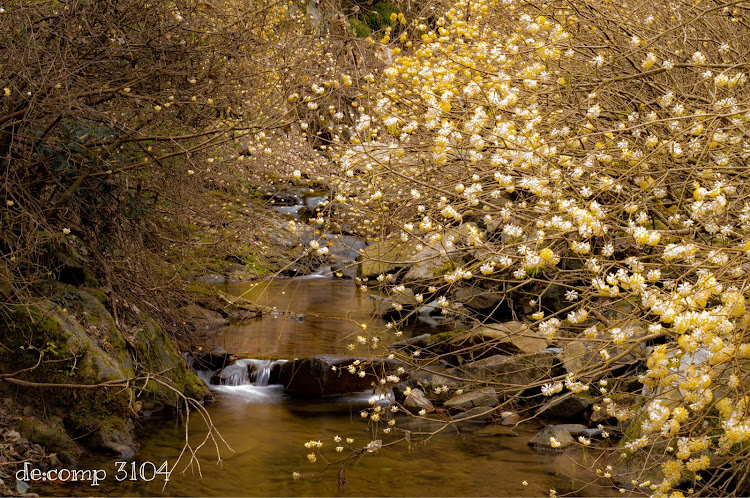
pixel 80 344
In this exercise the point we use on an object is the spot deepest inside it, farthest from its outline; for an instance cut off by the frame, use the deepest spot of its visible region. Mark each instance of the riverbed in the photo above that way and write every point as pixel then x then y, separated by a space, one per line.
pixel 264 430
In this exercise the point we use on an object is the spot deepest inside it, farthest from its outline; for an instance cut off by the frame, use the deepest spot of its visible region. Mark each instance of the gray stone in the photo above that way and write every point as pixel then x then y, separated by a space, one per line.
pixel 477 414
pixel 511 373
pixel 590 433
pixel 390 305
pixel 479 299
pixel 21 487
pixel 498 338
pixel 566 406
pixel 510 418
pixel 329 374
pixel 417 401
pixel 385 257
pixel 410 343
pixel 430 308
pixel 575 430
pixel 428 263
pixel 481 397
pixel 541 441
pixel 201 318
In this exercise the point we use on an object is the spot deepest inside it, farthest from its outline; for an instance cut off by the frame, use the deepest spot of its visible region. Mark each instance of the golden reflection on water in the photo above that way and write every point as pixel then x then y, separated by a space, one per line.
pixel 315 316
pixel 267 429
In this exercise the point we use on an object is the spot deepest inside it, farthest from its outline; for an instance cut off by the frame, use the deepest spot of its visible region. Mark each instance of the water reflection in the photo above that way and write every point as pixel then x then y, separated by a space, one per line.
pixel 315 316
pixel 267 429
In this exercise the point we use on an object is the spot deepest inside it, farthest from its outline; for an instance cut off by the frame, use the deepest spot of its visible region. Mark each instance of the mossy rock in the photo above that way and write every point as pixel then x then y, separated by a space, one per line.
pixel 156 353
pixel 52 436
pixel 76 330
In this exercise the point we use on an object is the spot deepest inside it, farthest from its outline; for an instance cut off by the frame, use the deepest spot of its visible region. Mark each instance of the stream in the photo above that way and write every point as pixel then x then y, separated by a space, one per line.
pixel 267 429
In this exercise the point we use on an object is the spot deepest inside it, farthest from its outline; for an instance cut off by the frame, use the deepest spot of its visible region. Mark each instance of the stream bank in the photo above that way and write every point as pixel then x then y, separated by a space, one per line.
pixel 54 350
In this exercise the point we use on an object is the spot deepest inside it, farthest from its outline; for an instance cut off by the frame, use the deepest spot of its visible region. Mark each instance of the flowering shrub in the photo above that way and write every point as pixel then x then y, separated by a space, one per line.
pixel 591 161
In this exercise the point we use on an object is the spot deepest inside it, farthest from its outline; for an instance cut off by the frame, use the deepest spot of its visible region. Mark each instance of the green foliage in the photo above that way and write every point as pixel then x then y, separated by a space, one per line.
pixel 359 28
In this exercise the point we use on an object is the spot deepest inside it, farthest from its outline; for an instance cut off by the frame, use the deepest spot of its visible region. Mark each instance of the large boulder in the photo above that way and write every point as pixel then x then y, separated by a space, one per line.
pixel 417 401
pixel 497 338
pixel 477 414
pixel 552 438
pixel 567 406
pixel 201 318
pixel 466 401
pixel 52 437
pixel 479 299
pixel 385 257
pixel 429 263
pixel 78 332
pixel 396 302
pixel 330 374
pixel 508 374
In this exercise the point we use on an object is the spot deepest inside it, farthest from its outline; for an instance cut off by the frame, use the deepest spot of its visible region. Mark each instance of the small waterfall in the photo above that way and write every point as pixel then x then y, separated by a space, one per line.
pixel 243 372
pixel 266 371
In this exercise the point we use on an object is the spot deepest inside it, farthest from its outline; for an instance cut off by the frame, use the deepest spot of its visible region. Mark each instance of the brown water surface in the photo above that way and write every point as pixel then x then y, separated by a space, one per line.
pixel 266 429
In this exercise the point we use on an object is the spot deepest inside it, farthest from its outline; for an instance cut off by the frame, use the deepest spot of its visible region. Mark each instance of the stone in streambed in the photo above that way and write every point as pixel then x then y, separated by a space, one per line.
pixel 567 406
pixel 497 338
pixel 542 440
pixel 202 318
pixel 478 415
pixel 509 418
pixel 481 397
pixel 393 304
pixel 216 359
pixel 479 299
pixel 385 257
pixel 329 374
pixel 417 401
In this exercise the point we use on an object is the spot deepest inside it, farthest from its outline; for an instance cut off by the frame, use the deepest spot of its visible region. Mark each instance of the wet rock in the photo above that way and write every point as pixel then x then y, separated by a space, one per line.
pixel 76 324
pixel 346 271
pixel 428 263
pixel 213 360
pixel 21 487
pixel 477 414
pixel 479 299
pixel 201 318
pixel 396 302
pixel 509 418
pixel 591 433
pixel 52 437
pixel 542 442
pixel 411 343
pixel 574 430
pixel 431 308
pixel 432 343
pixel 481 397
pixel 385 257
pixel 329 374
pixel 115 438
pixel 498 338
pixel 566 406
pixel 417 401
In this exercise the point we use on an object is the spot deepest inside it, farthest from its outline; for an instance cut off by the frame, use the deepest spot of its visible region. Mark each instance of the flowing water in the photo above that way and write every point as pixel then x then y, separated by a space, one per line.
pixel 266 429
